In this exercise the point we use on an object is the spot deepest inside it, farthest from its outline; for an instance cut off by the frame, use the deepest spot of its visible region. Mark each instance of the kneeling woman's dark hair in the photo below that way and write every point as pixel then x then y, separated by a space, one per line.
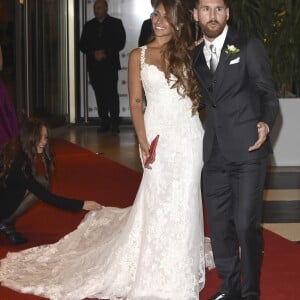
pixel 29 138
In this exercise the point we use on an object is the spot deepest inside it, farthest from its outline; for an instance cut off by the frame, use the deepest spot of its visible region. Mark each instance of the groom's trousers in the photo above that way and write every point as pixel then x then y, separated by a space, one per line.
pixel 233 199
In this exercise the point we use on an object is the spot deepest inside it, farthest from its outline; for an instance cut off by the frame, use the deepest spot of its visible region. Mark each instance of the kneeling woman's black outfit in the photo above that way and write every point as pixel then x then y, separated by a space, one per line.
pixel 20 191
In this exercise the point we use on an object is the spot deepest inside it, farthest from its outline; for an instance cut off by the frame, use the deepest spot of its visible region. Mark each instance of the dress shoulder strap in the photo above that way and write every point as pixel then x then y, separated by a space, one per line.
pixel 143 51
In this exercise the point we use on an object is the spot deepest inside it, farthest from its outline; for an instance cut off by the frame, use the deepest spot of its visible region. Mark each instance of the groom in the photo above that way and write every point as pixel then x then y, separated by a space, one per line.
pixel 241 107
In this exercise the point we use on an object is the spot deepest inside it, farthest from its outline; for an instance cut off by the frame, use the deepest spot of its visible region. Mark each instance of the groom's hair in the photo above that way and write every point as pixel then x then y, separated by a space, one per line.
pixel 227 3
pixel 197 2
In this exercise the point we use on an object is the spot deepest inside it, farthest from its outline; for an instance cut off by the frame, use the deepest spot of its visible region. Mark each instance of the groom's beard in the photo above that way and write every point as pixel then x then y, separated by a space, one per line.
pixel 214 32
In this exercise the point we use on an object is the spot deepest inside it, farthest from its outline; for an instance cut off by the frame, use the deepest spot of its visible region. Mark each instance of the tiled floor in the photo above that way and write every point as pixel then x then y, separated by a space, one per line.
pixel 122 148
pixel 281 196
pixel 282 202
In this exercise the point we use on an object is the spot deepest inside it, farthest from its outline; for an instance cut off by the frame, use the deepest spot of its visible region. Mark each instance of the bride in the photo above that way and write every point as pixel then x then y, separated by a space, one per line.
pixel 153 250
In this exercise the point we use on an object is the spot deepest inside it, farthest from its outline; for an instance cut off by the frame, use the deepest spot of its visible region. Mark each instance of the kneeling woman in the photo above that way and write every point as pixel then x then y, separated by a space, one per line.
pixel 22 182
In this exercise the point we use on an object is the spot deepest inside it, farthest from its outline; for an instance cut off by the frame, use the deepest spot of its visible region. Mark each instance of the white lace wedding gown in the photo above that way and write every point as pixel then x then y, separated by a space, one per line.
pixel 152 250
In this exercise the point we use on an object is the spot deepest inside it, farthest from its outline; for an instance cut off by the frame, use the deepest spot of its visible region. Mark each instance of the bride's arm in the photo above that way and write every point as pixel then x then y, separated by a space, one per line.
pixel 136 100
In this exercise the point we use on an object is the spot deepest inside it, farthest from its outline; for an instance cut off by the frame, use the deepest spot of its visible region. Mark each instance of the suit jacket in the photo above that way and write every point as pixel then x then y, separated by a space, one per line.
pixel 146 32
pixel 236 97
pixel 109 36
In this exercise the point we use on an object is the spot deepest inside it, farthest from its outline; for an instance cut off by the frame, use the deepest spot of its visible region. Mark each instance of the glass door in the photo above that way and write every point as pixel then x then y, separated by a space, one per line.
pixel 42 59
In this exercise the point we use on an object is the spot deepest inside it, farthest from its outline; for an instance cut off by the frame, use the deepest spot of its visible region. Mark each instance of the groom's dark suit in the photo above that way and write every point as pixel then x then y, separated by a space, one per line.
pixel 236 97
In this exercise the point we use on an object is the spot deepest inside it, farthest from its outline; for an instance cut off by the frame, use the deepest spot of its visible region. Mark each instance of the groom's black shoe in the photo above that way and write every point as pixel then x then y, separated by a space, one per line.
pixel 12 235
pixel 224 296
pixel 251 297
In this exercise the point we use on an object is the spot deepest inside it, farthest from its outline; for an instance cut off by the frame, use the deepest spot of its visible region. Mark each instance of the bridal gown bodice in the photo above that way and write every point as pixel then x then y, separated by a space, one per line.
pixel 153 250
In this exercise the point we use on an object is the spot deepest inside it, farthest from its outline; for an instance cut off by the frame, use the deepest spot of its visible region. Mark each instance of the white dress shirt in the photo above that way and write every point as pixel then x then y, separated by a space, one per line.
pixel 218 42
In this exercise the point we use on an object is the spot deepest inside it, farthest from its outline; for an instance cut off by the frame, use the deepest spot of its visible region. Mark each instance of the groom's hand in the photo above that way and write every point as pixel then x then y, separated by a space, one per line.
pixel 263 131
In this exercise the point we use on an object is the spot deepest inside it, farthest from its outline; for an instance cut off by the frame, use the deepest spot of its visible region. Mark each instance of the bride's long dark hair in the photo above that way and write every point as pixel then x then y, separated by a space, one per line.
pixel 177 53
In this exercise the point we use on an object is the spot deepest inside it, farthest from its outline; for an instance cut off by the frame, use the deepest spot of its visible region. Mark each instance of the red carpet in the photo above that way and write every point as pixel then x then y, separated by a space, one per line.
pixel 85 175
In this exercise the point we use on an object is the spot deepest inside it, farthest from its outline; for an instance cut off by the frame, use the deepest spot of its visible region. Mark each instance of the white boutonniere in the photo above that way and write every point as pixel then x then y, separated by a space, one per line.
pixel 231 49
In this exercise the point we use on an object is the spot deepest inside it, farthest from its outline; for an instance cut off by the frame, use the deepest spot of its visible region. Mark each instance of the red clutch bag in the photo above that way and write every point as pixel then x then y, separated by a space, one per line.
pixel 152 149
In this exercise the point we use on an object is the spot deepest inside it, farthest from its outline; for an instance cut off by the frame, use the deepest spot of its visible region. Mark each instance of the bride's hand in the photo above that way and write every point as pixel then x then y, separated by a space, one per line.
pixel 145 151
pixel 91 205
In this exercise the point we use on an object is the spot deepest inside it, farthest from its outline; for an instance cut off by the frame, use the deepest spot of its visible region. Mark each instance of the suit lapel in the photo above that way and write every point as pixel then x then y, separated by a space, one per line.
pixel 199 61
pixel 201 69
pixel 220 74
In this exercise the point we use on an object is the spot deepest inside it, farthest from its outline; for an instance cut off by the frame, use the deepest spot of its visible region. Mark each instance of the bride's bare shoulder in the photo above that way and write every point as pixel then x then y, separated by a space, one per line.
pixel 135 54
